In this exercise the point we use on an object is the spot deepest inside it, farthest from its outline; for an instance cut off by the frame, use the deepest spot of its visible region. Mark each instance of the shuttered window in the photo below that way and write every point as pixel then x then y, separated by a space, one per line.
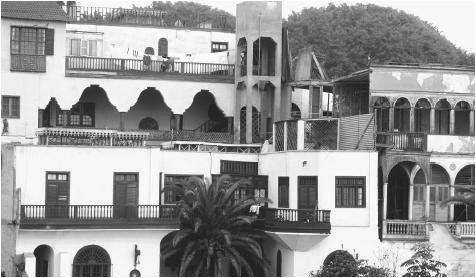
pixel 238 167
pixel 350 192
pixel 50 42
pixel 283 192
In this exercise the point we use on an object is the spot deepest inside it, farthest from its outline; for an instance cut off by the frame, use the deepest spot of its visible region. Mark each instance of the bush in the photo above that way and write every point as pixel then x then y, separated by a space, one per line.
pixel 422 264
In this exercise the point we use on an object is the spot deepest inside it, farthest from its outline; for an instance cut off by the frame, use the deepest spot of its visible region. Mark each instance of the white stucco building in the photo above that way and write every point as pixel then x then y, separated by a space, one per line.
pixel 103 109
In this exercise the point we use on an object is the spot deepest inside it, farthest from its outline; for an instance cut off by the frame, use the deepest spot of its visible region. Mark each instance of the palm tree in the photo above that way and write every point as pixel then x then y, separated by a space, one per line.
pixel 464 197
pixel 214 232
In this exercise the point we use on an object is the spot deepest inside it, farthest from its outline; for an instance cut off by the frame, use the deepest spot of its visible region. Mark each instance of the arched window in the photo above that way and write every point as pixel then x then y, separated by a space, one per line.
pixel 422 116
pixel 92 261
pixel 442 117
pixel 402 115
pixel 462 114
pixel 148 124
pixel 381 108
pixel 149 51
pixel 163 47
pixel 464 183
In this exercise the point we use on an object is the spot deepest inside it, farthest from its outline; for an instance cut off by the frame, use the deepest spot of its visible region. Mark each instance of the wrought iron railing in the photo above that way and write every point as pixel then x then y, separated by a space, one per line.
pixel 281 215
pixel 403 141
pixel 99 15
pixel 141 66
pixel 404 230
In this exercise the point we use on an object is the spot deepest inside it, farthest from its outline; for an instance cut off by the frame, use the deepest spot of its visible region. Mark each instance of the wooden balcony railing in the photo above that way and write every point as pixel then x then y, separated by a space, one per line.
pixel 28 63
pixel 98 15
pixel 402 141
pixel 296 220
pixel 405 230
pixel 97 214
pixel 141 66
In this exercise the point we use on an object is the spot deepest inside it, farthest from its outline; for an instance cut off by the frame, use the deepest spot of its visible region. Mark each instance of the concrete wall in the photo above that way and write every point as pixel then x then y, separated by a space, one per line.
pixel 451 144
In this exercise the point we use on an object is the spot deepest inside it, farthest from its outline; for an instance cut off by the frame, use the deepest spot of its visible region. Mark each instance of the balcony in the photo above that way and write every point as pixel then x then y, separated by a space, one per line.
pixel 462 230
pixel 116 138
pixel 147 17
pixel 110 67
pixel 108 216
pixel 296 220
pixel 405 230
pixel 28 63
pixel 402 141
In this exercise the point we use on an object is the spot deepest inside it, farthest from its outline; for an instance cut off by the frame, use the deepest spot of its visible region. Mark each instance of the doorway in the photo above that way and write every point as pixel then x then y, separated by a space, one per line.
pixel 125 195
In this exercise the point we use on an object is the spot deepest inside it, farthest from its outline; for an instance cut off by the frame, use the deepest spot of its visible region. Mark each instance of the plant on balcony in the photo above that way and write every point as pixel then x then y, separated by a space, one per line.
pixel 422 264
pixel 215 238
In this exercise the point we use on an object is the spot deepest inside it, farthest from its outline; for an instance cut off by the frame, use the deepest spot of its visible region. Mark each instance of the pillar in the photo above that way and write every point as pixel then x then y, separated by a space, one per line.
pixel 451 207
pixel 315 108
pixel 452 121
pixel 122 120
pixel 471 122
pixel 410 202
pixel 30 264
pixel 40 117
pixel 385 185
pixel 277 103
pixel 391 116
pixel 65 118
pixel 249 91
pixel 432 120
pixel 229 124
pixel 65 267
pixel 53 113
pixel 177 122
pixel 412 119
pixel 263 92
pixel 427 202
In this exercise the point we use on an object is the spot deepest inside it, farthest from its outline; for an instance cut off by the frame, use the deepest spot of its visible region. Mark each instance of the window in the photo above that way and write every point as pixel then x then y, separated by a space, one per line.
pixel 10 107
pixel 28 47
pixel 163 47
pixel 219 46
pixel 78 47
pixel 82 114
pixel 283 192
pixel 419 193
pixel 170 196
pixel 350 192
pixel 92 261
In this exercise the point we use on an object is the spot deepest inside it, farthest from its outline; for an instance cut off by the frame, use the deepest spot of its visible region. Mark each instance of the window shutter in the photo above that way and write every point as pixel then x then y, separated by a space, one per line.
pixel 50 42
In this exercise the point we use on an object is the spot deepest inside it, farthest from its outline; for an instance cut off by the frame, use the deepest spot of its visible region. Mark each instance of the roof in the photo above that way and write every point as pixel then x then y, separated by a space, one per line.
pixel 35 10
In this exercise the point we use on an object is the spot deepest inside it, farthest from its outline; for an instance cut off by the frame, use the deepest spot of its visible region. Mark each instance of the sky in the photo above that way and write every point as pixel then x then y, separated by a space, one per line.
pixel 454 19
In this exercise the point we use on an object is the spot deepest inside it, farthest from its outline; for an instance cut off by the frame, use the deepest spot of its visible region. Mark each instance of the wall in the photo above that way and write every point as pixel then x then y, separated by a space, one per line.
pixel 31 86
pixel 450 144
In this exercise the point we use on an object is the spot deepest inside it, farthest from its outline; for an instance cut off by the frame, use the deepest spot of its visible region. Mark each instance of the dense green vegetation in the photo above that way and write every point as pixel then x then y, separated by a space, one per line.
pixel 345 37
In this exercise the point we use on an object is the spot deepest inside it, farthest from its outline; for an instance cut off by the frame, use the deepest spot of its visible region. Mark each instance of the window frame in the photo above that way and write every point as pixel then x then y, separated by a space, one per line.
pixel 9 115
pixel 81 108
pixel 355 187
pixel 283 201
pixel 84 47
pixel 166 184
pixel 218 44
pixel 37 42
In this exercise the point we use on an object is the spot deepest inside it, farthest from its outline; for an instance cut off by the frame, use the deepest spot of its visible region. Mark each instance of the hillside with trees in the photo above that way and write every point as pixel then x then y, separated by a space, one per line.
pixel 345 38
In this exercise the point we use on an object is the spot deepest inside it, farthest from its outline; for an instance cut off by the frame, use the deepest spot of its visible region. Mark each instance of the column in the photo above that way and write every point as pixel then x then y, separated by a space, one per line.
pixel 451 207
pixel 311 97
pixel 53 113
pixel 277 103
pixel 432 120
pixel 427 202
pixel 452 121
pixel 65 118
pixel 40 117
pixel 391 116
pixel 385 185
pixel 249 91
pixel 65 267
pixel 471 122
pixel 264 112
pixel 122 120
pixel 410 202
pixel 229 124
pixel 412 119
pixel 177 122
pixel 30 264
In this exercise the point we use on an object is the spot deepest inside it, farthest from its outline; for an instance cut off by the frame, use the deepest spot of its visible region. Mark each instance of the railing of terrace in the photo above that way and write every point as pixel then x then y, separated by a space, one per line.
pixel 403 141
pixel 404 230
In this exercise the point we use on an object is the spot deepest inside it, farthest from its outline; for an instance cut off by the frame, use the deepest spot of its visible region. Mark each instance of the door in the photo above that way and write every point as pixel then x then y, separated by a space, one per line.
pixel 307 197
pixel 125 195
pixel 57 195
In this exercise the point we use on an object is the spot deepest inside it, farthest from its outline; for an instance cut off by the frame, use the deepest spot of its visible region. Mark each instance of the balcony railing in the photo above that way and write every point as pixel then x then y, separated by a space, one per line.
pixel 402 141
pixel 296 220
pixel 98 15
pixel 103 137
pixel 461 230
pixel 28 63
pixel 61 215
pixel 405 230
pixel 141 66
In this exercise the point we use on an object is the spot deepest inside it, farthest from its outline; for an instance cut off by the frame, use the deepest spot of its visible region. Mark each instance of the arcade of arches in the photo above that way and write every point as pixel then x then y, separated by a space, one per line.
pixel 419 115
pixel 150 112
pixel 410 195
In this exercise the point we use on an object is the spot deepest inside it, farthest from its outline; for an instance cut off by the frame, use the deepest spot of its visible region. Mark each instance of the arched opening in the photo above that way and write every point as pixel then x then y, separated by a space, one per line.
pixel 242 50
pixel 204 115
pixel 278 264
pixel 44 261
pixel 419 196
pixel 398 191
pixel 150 104
pixel 402 115
pixel 93 110
pixel 381 109
pixel 422 116
pixel 163 47
pixel 92 261
pixel 52 115
pixel 148 124
pixel 264 56
pixel 464 183
pixel 149 51
pixel 168 267
pixel 295 111
pixel 439 191
pixel 255 124
pixel 462 114
pixel 442 117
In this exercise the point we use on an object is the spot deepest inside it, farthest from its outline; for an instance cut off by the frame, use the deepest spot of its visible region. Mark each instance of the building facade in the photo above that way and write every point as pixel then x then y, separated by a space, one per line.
pixel 103 109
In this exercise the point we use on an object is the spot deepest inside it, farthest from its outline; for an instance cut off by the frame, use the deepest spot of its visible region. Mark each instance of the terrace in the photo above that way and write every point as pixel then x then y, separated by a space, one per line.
pixel 114 216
